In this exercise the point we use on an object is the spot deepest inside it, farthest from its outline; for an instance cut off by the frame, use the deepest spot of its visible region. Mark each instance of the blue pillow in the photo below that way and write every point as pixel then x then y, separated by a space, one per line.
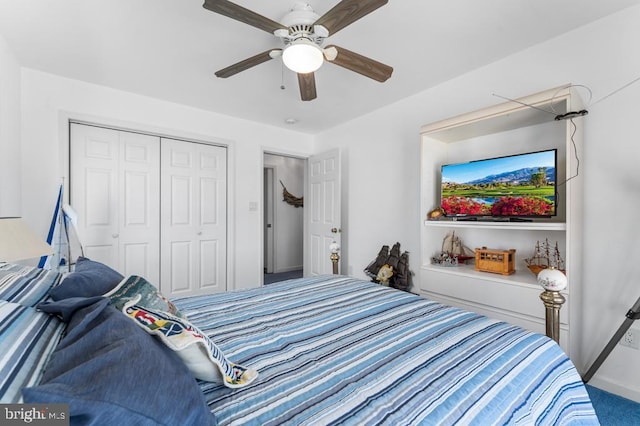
pixel 89 279
pixel 110 371
pixel 65 308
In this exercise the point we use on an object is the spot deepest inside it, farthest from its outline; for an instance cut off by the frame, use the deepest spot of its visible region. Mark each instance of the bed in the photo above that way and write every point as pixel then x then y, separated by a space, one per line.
pixel 327 350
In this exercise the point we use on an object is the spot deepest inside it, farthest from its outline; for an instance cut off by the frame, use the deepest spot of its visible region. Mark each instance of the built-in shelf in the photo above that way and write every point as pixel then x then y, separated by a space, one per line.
pixel 522 277
pixel 501 130
pixel 516 226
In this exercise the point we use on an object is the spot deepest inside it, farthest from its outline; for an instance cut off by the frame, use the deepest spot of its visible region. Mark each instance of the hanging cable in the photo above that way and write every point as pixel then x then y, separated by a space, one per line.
pixel 575 153
pixel 616 91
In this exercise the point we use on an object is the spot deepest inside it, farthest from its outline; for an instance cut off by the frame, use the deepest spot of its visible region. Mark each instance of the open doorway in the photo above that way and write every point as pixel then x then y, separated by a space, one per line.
pixel 283 219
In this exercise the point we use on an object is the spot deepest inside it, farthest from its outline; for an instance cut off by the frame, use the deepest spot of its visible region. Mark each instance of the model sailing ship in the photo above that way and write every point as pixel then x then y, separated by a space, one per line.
pixel 453 252
pixel 545 257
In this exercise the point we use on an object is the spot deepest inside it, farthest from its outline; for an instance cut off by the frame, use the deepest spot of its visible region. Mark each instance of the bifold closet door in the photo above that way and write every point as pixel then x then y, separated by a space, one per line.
pixel 114 188
pixel 193 218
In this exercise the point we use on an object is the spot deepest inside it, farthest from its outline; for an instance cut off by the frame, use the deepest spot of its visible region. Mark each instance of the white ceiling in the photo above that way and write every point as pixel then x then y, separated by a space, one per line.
pixel 170 49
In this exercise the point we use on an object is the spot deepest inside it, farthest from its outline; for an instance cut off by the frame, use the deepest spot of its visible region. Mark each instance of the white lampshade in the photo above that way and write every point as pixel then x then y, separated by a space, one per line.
pixel 334 247
pixel 552 279
pixel 303 56
pixel 19 242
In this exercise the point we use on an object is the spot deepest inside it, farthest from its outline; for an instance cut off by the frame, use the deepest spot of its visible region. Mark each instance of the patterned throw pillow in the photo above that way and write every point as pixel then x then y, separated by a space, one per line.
pixel 150 297
pixel 203 358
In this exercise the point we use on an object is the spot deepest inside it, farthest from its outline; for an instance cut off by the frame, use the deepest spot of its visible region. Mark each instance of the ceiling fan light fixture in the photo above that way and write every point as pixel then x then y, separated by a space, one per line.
pixel 303 56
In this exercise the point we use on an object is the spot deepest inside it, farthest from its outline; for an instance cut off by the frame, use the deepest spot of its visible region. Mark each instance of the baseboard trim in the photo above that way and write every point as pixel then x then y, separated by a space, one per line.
pixel 288 269
pixel 609 386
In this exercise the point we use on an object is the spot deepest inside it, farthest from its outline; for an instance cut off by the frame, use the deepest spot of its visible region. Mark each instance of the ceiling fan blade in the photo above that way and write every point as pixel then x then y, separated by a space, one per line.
pixel 358 63
pixel 307 83
pixel 248 63
pixel 239 13
pixel 347 12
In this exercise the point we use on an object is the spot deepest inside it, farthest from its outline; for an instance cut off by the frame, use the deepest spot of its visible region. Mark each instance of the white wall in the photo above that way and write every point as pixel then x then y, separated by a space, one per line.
pixel 380 155
pixel 48 101
pixel 382 178
pixel 9 132
pixel 288 227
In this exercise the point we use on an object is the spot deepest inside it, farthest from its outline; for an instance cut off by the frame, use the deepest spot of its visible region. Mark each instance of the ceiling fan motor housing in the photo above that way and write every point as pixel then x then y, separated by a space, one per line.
pixel 299 21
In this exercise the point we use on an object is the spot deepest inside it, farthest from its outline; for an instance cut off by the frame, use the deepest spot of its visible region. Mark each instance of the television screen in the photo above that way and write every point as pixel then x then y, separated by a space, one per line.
pixel 522 185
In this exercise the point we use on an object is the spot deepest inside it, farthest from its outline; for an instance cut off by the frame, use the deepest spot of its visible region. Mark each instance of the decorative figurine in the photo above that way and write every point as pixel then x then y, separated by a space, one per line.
pixel 436 213
pixel 384 274
pixel 453 252
pixel 543 258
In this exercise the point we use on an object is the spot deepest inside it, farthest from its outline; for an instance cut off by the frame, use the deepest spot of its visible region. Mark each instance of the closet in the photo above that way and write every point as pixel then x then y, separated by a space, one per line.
pixel 151 206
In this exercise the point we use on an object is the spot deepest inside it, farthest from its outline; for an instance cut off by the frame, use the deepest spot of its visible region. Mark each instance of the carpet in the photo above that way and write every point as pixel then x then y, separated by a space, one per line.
pixel 614 410
pixel 282 276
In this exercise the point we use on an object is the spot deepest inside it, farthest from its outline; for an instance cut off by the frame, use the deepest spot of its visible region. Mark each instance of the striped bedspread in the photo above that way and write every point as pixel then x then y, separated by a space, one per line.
pixel 336 350
pixel 27 338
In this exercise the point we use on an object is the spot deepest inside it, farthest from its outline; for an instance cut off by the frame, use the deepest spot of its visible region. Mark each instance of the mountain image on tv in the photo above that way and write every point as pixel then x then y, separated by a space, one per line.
pixel 518 185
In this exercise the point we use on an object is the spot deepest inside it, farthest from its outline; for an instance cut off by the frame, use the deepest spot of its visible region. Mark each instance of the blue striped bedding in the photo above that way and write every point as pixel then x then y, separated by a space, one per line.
pixel 27 338
pixel 336 350
pixel 26 285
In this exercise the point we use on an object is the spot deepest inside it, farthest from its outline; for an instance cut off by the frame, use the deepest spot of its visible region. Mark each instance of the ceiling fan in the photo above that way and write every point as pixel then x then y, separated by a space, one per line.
pixel 303 32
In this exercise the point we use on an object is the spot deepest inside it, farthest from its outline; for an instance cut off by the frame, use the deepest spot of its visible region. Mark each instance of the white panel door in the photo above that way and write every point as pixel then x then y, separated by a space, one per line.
pixel 139 201
pixel 93 190
pixel 193 218
pixel 324 211
pixel 114 188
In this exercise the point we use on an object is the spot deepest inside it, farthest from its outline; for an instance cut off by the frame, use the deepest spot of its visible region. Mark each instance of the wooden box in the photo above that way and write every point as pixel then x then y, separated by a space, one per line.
pixel 496 261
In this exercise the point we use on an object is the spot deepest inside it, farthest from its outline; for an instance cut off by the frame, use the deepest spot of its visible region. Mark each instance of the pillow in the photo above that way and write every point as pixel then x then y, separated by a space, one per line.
pixel 4 273
pixel 89 279
pixel 150 296
pixel 65 308
pixel 6 268
pixel 109 372
pixel 203 358
pixel 26 285
pixel 27 339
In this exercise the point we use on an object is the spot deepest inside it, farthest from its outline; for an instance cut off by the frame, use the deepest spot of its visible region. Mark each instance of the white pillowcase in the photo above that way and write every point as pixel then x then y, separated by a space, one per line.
pixel 201 355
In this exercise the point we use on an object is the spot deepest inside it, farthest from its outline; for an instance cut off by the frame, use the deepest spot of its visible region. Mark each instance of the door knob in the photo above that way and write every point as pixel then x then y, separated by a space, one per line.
pixel 335 230
pixel 115 235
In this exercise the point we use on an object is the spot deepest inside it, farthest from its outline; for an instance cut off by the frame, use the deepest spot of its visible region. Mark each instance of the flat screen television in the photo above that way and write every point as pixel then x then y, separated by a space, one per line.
pixel 515 186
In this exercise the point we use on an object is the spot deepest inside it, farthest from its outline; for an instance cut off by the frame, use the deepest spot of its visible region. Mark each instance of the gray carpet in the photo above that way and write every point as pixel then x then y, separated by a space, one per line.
pixel 614 410
pixel 282 276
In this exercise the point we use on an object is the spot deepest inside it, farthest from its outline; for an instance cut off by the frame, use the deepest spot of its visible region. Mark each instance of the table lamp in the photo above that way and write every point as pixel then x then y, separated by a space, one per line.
pixel 19 242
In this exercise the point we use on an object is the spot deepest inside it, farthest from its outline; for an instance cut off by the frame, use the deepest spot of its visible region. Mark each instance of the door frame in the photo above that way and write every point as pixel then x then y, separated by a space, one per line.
pixel 299 156
pixel 65 118
pixel 269 205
